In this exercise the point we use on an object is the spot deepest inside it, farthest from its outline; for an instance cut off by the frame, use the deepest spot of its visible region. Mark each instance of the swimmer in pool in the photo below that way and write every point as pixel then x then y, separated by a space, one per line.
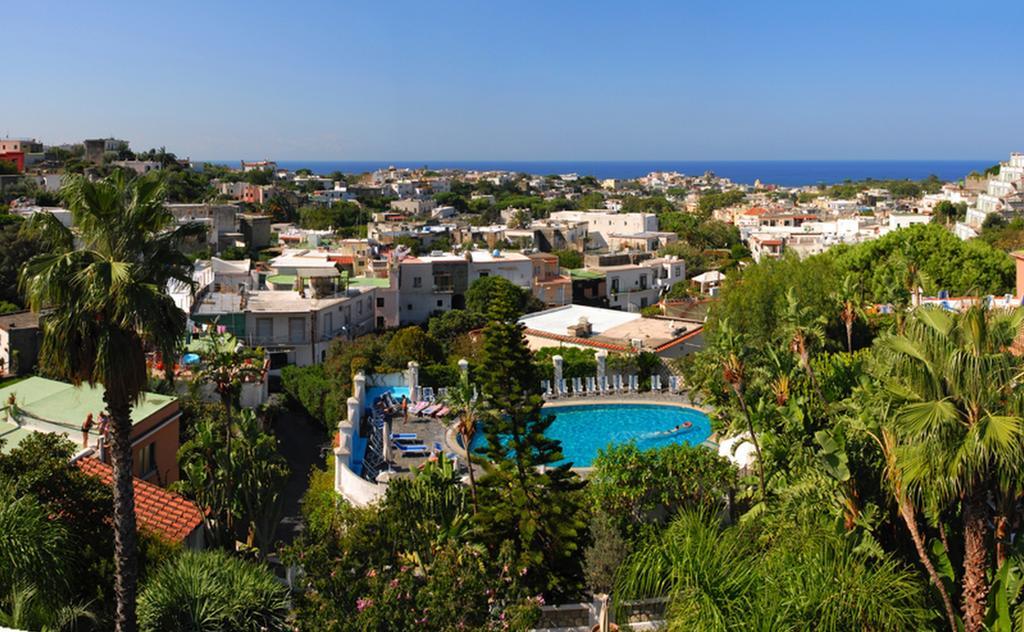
pixel 686 425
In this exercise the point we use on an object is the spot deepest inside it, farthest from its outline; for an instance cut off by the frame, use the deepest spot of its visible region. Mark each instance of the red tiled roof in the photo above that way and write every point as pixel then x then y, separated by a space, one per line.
pixel 587 342
pixel 757 210
pixel 156 509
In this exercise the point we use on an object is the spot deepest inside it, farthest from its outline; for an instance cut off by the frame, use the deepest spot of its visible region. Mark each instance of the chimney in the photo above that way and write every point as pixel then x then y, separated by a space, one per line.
pixel 582 329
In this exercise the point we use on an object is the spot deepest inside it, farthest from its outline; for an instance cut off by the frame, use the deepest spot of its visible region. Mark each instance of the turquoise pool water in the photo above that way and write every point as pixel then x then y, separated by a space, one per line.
pixel 583 430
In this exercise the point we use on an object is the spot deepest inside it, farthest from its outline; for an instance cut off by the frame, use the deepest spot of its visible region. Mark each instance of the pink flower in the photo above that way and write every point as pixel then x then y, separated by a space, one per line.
pixel 393 583
pixel 371 573
pixel 363 604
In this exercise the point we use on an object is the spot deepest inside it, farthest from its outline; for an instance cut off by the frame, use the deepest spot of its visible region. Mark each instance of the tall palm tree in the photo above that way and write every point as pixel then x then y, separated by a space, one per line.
pixel 465 405
pixel 960 423
pixel 803 330
pixel 104 284
pixel 731 349
pixel 851 305
pixel 877 420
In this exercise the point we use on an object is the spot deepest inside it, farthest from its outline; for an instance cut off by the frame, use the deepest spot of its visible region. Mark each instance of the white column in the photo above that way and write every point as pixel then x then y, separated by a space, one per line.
pixel 354 412
pixel 602 359
pixel 412 378
pixel 558 361
pixel 359 388
pixel 464 368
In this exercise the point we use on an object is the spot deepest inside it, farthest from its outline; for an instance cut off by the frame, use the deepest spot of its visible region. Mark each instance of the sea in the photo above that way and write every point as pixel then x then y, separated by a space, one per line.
pixel 779 172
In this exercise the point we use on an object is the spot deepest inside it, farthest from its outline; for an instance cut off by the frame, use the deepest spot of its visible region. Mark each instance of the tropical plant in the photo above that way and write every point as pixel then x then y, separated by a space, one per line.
pixel 851 305
pixel 730 349
pixel 803 329
pixel 213 591
pixel 465 405
pixel 104 283
pixel 809 577
pixel 24 608
pixel 959 427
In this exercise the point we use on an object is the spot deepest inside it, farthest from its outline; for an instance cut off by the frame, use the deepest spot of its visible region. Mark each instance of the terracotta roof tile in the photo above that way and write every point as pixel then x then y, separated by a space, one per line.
pixel 157 509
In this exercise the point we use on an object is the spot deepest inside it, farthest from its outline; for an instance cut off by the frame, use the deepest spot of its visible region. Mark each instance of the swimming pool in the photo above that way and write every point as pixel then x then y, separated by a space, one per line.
pixel 585 429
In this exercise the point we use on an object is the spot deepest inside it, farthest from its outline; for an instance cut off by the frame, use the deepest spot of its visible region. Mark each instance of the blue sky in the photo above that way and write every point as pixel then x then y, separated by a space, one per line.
pixel 555 80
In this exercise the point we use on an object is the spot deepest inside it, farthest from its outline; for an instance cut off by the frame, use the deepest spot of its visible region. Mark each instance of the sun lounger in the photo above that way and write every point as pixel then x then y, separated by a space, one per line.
pixel 417 448
pixel 634 384
pixel 442 412
pixel 403 436
pixel 563 388
pixel 673 384
pixel 428 393
pixel 430 410
pixel 545 385
pixel 577 386
pixel 418 407
pixel 616 383
pixel 656 382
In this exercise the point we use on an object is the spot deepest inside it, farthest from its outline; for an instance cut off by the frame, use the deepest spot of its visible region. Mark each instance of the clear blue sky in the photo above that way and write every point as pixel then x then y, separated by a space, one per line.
pixel 554 80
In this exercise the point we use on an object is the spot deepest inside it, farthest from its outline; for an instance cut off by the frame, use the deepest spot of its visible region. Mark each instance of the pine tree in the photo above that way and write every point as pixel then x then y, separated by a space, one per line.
pixel 524 498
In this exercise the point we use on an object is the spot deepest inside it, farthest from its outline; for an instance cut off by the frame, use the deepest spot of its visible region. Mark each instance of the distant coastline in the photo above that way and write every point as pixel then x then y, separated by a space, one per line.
pixel 779 172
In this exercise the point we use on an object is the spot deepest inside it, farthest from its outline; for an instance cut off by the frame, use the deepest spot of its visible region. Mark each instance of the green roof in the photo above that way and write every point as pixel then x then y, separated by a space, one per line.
pixel 12 434
pixel 201 343
pixel 583 273
pixel 368 282
pixel 282 279
pixel 65 405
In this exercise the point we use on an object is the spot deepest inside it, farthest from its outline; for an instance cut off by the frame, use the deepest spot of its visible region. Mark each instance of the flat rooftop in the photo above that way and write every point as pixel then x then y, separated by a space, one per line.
pixel 559 319
pixel 610 328
pixel 51 406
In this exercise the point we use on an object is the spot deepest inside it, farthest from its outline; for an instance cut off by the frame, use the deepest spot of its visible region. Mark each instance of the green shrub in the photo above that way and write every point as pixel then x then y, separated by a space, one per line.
pixel 212 591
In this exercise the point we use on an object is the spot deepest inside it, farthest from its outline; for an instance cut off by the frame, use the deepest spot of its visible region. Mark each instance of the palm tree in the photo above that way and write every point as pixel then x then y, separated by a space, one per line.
pixel 877 425
pixel 465 405
pixel 803 329
pixel 960 423
pixel 104 284
pixel 731 347
pixel 851 305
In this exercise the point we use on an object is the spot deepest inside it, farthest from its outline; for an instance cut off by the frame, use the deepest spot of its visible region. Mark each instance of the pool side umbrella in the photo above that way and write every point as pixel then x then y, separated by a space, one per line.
pixel 386 445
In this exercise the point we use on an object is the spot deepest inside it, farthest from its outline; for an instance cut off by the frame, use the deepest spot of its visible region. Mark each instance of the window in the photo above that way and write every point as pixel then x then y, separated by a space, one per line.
pixel 264 328
pixel 296 329
pixel 417 281
pixel 328 324
pixel 409 307
pixel 146 458
pixel 615 284
pixel 643 281
pixel 380 302
pixel 439 302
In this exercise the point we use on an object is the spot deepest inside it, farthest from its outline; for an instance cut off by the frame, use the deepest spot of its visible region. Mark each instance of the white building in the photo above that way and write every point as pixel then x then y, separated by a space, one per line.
pixel 602 224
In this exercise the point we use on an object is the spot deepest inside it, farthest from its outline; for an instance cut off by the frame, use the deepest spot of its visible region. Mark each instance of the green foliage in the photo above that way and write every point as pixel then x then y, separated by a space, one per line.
pixel 239 485
pixel 8 308
pixel 450 198
pixel 409 563
pixel 17 246
pixel 313 389
pixel 571 259
pixel 447 326
pixel 211 590
pixel 338 215
pixel 606 553
pixel 492 290
pixel 410 344
pixel 535 512
pixel 653 204
pixel 808 577
pixel 754 299
pixel 576 362
pixel 713 201
pixel 634 487
pixel 960 267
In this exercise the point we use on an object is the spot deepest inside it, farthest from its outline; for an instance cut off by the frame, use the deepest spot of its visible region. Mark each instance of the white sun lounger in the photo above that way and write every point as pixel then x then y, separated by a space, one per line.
pixel 673 384
pixel 545 386
pixel 577 386
pixel 563 388
pixel 656 383
pixel 428 393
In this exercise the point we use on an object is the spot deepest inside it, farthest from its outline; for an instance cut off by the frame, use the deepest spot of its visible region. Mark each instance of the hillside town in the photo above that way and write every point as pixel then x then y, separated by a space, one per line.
pixel 341 337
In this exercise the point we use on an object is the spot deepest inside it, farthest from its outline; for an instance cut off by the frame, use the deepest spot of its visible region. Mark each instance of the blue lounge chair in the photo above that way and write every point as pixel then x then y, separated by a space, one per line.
pixel 404 436
pixel 411 448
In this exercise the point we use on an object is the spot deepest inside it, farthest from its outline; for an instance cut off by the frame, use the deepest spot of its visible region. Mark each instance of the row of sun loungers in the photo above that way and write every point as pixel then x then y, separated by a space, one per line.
pixel 610 385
